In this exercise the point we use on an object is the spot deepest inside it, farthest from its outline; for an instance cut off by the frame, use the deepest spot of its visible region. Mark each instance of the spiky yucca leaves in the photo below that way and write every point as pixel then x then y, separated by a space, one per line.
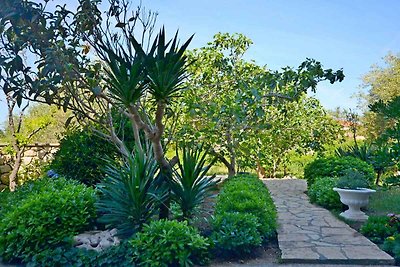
pixel 125 77
pixel 129 196
pixel 190 185
pixel 165 66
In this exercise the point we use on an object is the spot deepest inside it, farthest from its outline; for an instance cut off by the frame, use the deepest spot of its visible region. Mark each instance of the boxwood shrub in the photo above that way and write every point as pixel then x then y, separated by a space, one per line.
pixel 42 214
pixel 235 233
pixel 248 194
pixel 336 167
pixel 321 192
pixel 169 243
pixel 245 216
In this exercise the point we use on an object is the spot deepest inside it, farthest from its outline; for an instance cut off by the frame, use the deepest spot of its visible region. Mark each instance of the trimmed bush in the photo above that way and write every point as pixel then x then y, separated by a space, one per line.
pixel 248 194
pixel 169 243
pixel 236 233
pixel 336 167
pixel 80 156
pixel 43 218
pixel 321 192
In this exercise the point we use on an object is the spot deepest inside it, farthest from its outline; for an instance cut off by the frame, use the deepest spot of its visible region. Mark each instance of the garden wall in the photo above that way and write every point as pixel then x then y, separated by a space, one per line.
pixel 35 152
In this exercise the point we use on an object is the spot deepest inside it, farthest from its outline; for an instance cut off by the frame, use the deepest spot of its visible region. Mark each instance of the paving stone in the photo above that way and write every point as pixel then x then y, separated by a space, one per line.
pixel 310 234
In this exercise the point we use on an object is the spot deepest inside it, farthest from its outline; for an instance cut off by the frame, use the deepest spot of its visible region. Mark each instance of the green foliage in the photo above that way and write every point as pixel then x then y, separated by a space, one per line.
pixel 392 246
pixel 243 95
pixel 248 194
pixel 378 155
pixel 44 217
pixel 336 167
pixel 190 185
pixel 378 228
pixel 170 243
pixel 129 196
pixel 80 156
pixel 391 181
pixel 352 180
pixel 236 233
pixel 321 192
pixel 120 255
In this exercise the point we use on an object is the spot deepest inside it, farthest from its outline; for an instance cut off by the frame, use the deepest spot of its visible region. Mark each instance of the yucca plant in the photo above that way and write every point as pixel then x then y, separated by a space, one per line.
pixel 129 196
pixel 190 184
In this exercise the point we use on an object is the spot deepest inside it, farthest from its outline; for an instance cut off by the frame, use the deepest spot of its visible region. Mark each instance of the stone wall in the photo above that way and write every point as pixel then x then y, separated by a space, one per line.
pixel 33 153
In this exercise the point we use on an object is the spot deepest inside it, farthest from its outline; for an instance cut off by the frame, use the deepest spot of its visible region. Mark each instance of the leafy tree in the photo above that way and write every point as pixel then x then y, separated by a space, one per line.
pixel 229 98
pixel 383 84
pixel 138 75
pixel 298 126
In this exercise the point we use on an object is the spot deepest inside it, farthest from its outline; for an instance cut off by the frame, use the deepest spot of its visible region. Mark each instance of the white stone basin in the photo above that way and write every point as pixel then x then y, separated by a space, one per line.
pixel 354 199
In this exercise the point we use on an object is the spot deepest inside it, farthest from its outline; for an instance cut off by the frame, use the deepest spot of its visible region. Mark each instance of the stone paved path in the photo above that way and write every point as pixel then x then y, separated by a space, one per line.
pixel 310 234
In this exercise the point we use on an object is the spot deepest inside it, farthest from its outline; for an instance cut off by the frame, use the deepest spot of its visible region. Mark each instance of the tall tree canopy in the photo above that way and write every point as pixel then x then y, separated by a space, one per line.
pixel 229 100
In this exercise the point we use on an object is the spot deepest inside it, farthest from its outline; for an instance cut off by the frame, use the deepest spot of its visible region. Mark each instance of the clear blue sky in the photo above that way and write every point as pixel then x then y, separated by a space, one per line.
pixel 352 35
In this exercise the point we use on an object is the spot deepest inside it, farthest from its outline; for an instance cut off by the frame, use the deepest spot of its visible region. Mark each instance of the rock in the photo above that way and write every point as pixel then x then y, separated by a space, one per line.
pixel 5 169
pixel 4 178
pixel 97 240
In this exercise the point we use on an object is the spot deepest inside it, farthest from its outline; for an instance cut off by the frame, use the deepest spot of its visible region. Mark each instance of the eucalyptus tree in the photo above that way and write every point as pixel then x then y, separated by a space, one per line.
pixel 228 97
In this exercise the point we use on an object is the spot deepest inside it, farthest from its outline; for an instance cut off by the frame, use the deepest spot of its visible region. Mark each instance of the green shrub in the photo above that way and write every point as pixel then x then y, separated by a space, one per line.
pixel 121 256
pixel 321 192
pixel 392 246
pixel 45 217
pixel 378 228
pixel 352 180
pixel 236 233
pixel 170 243
pixel 80 156
pixel 248 194
pixel 335 167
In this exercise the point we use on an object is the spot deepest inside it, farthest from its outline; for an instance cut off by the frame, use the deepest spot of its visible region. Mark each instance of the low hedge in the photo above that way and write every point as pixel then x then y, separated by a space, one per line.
pixel 41 215
pixel 336 167
pixel 243 194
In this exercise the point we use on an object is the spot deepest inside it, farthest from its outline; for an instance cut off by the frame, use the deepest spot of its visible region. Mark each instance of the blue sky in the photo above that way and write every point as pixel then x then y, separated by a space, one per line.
pixel 352 35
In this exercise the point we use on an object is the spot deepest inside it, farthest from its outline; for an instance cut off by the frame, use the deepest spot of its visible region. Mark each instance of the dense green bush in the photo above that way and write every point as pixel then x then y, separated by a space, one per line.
pixel 235 233
pixel 335 167
pixel 170 243
pixel 80 156
pixel 321 192
pixel 378 228
pixel 248 194
pixel 43 218
pixel 121 256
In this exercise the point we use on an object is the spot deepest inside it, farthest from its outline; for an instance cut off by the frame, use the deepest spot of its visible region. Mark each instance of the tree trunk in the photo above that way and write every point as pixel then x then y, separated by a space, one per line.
pixel 14 173
pixel 260 171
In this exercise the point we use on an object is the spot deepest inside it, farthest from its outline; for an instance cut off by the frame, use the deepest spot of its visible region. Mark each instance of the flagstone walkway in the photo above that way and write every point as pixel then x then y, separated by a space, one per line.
pixel 310 234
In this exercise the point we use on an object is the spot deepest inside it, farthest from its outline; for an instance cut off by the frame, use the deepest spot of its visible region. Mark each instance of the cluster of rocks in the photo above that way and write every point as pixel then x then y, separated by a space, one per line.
pixel 97 240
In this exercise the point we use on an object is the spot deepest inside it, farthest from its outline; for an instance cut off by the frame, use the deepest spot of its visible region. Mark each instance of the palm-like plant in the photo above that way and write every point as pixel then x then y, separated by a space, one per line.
pixel 129 196
pixel 190 184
